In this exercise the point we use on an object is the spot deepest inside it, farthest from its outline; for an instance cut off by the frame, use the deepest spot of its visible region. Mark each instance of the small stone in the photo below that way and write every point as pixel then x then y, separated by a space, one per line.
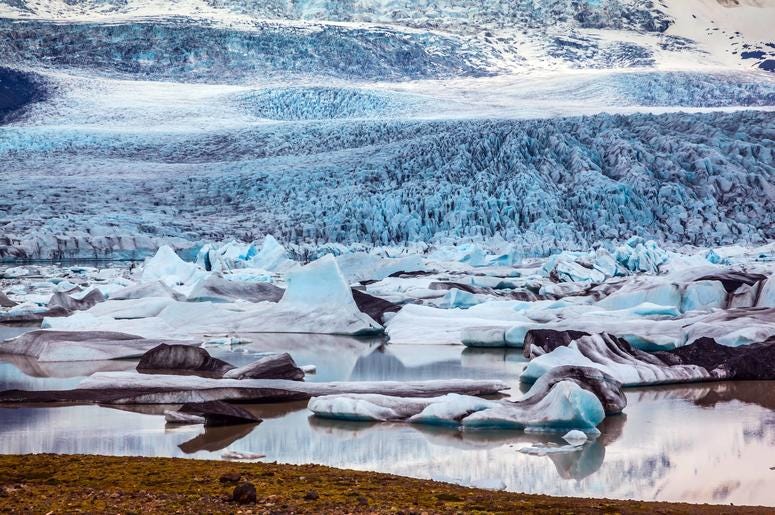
pixel 244 493
pixel 312 495
pixel 363 501
pixel 232 477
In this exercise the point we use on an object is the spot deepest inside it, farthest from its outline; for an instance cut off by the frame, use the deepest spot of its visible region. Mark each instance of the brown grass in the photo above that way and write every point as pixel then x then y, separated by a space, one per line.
pixel 95 484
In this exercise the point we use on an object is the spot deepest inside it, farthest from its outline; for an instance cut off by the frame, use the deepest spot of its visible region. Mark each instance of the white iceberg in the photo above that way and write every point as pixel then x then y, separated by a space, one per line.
pixel 167 267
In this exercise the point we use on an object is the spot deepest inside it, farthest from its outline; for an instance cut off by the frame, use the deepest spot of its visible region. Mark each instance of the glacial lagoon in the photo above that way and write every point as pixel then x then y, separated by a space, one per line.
pixel 661 448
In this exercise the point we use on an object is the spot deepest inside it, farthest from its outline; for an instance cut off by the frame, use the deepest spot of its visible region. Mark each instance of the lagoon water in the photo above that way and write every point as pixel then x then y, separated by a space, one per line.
pixel 660 449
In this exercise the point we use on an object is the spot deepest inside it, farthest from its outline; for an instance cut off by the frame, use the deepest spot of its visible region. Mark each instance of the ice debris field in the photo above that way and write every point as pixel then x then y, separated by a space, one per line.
pixel 591 323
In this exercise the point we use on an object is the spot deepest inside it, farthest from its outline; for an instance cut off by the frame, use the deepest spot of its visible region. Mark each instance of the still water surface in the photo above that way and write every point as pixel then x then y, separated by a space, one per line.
pixel 711 443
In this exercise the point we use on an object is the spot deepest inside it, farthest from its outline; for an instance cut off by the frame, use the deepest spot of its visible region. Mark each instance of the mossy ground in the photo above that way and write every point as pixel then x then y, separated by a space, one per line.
pixel 49 483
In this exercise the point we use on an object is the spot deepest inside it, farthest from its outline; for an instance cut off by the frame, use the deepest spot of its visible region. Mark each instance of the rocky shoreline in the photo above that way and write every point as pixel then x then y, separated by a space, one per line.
pixel 48 483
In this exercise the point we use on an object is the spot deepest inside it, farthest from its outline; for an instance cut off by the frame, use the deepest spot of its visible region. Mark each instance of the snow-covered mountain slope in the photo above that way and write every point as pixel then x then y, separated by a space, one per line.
pixel 553 123
pixel 546 33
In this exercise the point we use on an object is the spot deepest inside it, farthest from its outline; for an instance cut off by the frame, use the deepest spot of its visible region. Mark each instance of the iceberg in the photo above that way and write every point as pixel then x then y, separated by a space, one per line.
pixel 616 358
pixel 564 406
pixel 167 267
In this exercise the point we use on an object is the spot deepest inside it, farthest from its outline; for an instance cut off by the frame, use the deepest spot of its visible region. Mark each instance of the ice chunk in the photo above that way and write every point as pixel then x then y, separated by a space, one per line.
pixel 767 294
pixel 360 266
pixel 366 407
pixel 226 257
pixel 575 437
pixel 166 266
pixel 483 337
pixel 642 290
pixel 429 325
pixel 570 271
pixel 241 456
pixel 639 255
pixel 455 298
pixel 734 327
pixel 272 256
pixel 215 288
pixel 319 283
pixel 450 410
pixel 144 290
pixel 703 296
pixel 615 357
pixel 565 406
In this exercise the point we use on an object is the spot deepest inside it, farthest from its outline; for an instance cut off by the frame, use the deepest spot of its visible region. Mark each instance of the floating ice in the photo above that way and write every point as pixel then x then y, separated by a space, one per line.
pixel 614 357
pixel 563 406
pixel 575 437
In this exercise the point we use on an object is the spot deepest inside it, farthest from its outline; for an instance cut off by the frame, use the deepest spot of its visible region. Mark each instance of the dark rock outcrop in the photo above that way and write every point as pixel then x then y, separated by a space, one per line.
pixel 182 360
pixel 279 366
pixel 541 341
pixel 605 387
pixel 374 306
pixel 65 301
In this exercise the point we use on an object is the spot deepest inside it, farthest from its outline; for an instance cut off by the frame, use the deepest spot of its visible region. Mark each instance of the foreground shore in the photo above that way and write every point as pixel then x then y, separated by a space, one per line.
pixel 49 483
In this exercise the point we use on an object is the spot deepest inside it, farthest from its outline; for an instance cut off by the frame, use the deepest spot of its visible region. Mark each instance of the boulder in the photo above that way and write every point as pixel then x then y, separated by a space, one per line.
pixel 244 493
